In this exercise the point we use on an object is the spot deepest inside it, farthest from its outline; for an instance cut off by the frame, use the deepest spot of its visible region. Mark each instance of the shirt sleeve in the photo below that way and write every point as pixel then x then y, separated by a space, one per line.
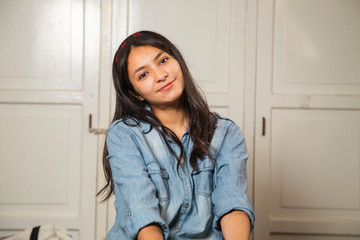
pixel 132 182
pixel 231 177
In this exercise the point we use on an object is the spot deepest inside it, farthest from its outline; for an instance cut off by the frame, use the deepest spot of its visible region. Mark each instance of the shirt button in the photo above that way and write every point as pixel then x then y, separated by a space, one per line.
pixel 187 205
pixel 182 161
pixel 177 227
pixel 128 214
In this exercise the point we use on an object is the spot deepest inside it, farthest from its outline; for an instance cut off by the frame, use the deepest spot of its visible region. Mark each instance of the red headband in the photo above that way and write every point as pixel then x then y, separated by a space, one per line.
pixel 123 44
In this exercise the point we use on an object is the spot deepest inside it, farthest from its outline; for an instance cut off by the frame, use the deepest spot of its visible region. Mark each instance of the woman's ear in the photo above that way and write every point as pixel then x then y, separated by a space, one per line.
pixel 140 98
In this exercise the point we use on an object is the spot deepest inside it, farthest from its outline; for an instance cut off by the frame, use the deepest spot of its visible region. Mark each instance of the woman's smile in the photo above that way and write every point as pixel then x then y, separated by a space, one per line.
pixel 166 87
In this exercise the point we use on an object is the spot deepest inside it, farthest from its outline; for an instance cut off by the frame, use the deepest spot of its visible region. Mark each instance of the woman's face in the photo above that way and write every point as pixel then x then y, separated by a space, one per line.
pixel 156 76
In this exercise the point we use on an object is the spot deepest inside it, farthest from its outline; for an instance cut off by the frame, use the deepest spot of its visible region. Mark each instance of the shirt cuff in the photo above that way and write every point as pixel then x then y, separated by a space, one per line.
pixel 143 217
pixel 226 209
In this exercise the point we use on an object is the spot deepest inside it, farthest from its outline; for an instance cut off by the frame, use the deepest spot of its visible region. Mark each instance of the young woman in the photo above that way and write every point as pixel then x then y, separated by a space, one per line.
pixel 178 171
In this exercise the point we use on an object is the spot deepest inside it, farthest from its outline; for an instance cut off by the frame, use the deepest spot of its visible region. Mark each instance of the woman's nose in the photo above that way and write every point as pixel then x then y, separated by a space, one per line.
pixel 161 76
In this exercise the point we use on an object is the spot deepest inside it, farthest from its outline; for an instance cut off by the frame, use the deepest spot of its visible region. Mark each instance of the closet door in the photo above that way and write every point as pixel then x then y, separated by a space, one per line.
pixel 210 34
pixel 48 88
pixel 307 168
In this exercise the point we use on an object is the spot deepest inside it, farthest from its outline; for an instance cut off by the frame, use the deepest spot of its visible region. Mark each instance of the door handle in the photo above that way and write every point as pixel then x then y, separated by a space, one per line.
pixel 95 131
pixel 263 126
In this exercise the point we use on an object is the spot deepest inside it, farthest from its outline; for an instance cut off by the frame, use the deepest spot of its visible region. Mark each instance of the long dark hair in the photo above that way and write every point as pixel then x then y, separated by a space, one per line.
pixel 201 121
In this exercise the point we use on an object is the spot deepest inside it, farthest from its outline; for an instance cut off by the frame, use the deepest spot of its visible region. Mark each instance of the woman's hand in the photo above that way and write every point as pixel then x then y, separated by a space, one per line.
pixel 235 225
pixel 151 232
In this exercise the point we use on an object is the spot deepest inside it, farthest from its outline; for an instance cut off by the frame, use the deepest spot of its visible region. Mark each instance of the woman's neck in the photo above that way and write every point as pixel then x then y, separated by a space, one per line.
pixel 174 118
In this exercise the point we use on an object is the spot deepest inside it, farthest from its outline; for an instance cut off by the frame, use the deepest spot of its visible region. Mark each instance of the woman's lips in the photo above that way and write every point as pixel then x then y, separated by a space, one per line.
pixel 166 87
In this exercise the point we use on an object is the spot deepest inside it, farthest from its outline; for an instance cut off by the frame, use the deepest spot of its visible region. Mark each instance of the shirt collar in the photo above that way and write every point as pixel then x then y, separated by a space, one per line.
pixel 146 127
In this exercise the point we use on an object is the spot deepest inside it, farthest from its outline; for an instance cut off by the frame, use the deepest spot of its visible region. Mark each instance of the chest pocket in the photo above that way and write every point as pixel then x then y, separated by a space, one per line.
pixel 204 178
pixel 160 178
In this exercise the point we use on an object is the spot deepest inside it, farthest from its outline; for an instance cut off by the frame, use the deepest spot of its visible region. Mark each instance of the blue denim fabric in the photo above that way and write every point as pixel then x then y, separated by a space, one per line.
pixel 187 204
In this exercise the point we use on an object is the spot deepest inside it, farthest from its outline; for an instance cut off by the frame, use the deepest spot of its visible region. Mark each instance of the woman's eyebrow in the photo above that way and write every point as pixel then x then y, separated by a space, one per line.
pixel 158 55
pixel 142 67
pixel 139 69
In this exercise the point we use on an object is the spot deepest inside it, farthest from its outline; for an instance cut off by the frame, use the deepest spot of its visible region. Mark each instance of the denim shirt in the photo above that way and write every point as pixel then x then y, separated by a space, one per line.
pixel 185 203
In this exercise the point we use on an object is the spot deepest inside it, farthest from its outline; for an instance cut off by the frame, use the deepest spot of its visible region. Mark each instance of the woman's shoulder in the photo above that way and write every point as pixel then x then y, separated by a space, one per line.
pixel 224 124
pixel 123 123
pixel 226 129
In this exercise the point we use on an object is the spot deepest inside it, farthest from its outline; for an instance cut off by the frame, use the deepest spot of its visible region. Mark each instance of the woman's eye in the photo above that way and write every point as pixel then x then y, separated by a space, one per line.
pixel 143 75
pixel 163 60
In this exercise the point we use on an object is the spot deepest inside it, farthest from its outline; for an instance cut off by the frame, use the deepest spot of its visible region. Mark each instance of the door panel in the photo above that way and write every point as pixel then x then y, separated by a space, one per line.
pixel 42 47
pixel 310 179
pixel 48 87
pixel 307 172
pixel 43 141
pixel 316 47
